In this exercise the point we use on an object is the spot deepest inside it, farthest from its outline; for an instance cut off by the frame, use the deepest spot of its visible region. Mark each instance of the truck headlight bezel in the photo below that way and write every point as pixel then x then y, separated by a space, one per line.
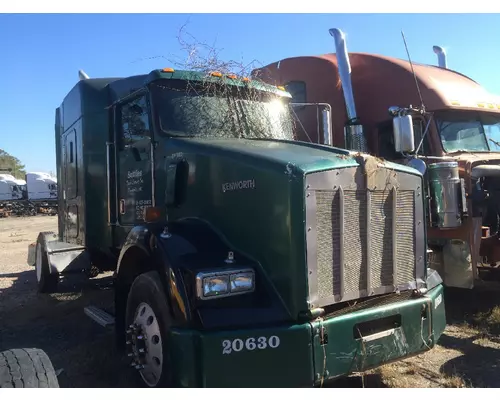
pixel 232 282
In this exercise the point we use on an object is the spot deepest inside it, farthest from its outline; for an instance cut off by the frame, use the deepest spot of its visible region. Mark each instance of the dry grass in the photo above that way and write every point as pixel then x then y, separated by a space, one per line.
pixel 489 321
pixel 406 374
pixel 467 354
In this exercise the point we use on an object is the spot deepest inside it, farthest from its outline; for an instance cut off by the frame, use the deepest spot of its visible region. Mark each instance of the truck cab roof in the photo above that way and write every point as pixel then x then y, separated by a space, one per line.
pixel 389 80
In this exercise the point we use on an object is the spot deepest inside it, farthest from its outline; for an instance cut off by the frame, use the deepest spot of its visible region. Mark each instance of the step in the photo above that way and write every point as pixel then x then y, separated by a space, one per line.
pixel 100 316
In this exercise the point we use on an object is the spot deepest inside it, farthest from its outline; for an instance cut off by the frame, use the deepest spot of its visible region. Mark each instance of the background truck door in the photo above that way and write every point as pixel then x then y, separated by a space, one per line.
pixel 133 160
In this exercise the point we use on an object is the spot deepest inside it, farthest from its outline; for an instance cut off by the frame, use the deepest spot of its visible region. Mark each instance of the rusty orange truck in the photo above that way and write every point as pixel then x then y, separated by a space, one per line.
pixel 432 117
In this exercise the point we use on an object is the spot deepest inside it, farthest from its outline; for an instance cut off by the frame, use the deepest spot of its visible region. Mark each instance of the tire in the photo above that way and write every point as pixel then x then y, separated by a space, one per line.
pixel 46 282
pixel 147 291
pixel 26 368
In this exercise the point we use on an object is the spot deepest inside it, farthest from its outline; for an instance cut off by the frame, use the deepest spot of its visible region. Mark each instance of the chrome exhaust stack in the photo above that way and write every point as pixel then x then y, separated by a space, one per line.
pixel 441 54
pixel 82 75
pixel 353 131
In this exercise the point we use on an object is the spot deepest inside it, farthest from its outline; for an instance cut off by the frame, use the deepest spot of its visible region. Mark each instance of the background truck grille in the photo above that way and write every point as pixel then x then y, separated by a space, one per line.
pixel 363 242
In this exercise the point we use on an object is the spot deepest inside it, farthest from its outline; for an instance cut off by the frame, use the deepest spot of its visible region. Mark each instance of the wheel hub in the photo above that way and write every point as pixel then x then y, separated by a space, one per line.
pixel 144 345
pixel 136 346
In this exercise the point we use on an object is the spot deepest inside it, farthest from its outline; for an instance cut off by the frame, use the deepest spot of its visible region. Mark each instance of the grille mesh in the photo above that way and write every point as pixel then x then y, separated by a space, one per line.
pixel 381 243
pixel 357 250
pixel 328 230
pixel 405 241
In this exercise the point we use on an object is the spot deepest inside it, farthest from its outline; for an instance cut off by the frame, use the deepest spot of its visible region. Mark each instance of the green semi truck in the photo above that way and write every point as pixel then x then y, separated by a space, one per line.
pixel 241 257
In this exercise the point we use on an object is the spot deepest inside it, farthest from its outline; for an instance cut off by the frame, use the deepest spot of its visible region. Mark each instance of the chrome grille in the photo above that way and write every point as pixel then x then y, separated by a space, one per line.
pixel 361 242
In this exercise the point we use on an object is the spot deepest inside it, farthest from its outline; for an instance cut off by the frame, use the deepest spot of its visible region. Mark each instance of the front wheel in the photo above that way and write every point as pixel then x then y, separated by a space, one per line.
pixel 148 328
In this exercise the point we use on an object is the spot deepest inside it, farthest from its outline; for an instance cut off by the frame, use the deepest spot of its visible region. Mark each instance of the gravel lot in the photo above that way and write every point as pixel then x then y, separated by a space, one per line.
pixel 468 354
pixel 55 323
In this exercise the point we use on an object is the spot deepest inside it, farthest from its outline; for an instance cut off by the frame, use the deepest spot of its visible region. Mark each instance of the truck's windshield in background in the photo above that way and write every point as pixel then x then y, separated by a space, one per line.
pixel 226 111
pixel 469 131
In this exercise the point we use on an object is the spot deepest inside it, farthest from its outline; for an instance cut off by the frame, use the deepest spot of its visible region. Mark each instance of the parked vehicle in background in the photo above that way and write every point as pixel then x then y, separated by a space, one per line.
pixel 11 188
pixel 41 187
pixel 451 122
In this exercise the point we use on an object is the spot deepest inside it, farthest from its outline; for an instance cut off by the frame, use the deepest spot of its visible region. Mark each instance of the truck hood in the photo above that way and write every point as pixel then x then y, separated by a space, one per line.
pixel 291 155
pixel 253 192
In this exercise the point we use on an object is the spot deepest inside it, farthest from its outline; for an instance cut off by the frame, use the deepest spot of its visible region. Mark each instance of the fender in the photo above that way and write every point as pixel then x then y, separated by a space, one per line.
pixel 203 246
pixel 141 253
pixel 191 244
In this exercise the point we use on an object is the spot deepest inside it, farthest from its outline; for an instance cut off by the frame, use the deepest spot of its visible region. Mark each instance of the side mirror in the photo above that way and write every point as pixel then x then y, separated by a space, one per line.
pixel 404 141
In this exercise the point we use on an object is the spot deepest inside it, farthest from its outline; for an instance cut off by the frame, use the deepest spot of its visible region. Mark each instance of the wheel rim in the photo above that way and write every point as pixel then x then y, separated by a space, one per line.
pixel 38 264
pixel 146 343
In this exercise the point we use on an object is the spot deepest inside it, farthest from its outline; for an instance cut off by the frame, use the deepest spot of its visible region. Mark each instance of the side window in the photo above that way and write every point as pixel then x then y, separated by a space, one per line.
pixel 386 142
pixel 134 121
pixel 298 91
pixel 418 131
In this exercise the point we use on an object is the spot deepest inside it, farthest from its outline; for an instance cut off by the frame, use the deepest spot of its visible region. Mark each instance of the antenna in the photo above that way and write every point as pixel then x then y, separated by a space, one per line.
pixel 413 72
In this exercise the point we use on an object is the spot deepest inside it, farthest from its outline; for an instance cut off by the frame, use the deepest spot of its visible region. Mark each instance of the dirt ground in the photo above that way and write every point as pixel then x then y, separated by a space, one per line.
pixel 467 355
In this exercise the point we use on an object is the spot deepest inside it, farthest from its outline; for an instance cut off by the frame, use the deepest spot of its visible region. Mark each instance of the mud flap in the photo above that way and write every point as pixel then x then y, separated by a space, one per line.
pixel 31 255
pixel 457 265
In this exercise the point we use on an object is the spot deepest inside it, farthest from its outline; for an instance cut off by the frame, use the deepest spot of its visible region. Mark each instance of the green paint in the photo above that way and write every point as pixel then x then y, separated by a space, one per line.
pixel 301 360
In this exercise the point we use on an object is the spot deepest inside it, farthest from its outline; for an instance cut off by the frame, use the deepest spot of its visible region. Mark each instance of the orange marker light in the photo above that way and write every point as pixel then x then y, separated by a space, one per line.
pixel 152 214
pixel 281 88
pixel 216 73
pixel 167 70
pixel 232 76
pixel 245 79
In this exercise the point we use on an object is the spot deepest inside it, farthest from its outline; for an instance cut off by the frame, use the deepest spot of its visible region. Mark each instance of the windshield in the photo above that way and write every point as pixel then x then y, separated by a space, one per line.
pixel 224 111
pixel 469 131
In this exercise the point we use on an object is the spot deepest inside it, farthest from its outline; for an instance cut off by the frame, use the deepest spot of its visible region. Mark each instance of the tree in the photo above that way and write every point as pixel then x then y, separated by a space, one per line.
pixel 11 165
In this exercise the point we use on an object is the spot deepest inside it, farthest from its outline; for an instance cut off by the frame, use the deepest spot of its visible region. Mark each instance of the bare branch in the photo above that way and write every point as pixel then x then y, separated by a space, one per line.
pixel 212 107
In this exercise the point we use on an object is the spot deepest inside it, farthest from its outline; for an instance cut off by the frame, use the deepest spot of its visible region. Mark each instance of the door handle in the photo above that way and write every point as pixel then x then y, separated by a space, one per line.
pixel 122 206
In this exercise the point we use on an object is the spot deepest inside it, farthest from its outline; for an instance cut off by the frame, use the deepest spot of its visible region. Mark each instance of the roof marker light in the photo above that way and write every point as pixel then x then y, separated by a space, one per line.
pixel 167 70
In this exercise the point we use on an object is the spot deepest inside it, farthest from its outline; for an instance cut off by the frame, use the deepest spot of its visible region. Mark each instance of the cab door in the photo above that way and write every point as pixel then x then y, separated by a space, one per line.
pixel 133 159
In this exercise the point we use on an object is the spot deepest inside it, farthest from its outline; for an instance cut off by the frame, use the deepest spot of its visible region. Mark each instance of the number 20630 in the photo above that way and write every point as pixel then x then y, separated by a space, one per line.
pixel 250 344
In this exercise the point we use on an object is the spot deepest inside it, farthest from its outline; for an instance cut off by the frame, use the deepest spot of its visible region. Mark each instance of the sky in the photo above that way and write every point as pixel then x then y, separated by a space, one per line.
pixel 41 54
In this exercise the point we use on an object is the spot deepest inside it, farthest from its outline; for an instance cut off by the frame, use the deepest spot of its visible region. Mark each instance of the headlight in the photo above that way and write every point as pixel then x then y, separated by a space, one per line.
pixel 224 283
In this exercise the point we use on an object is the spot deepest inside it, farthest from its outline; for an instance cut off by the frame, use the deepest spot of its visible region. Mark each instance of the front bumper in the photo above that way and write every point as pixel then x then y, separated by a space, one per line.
pixel 383 330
